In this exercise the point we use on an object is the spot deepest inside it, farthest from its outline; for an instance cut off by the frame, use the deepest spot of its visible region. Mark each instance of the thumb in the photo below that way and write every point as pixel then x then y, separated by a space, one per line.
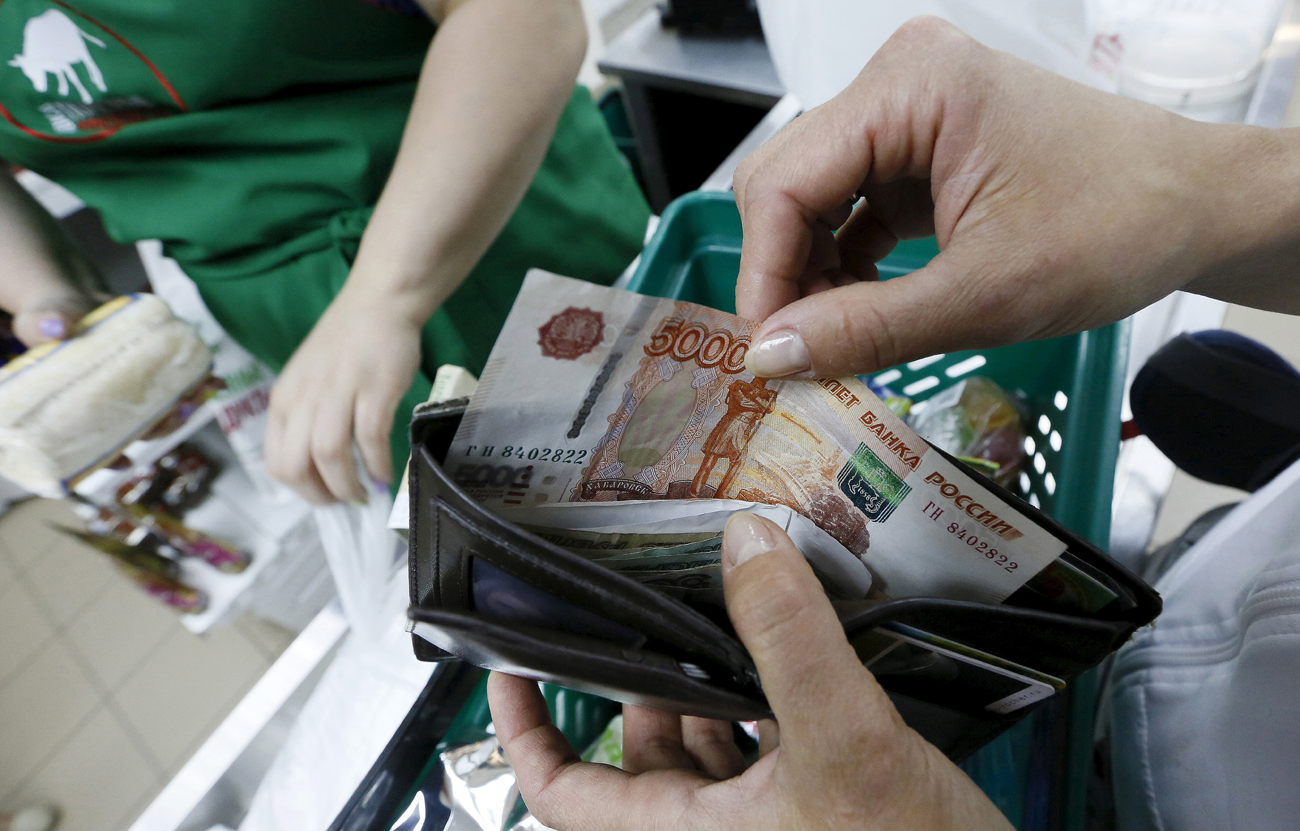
pixel 811 676
pixel 863 327
pixel 37 327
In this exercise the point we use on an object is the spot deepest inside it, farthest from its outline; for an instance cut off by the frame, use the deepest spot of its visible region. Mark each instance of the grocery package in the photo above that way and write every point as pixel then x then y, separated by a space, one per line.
pixel 71 406
pixel 178 481
pixel 143 564
pixel 165 535
pixel 978 422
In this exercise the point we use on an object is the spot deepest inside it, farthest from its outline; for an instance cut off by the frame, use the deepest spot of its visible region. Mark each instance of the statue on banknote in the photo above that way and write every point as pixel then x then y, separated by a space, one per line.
pixel 747 403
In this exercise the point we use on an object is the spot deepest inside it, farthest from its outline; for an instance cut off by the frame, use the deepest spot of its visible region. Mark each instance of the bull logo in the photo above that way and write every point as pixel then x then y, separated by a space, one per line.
pixel 54 45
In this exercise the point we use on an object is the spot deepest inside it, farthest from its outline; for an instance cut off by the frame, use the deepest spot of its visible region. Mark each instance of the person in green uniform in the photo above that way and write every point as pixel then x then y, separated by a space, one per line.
pixel 356 198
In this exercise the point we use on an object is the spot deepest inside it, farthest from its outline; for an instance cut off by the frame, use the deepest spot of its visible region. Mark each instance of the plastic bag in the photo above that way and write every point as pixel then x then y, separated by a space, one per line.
pixel 978 422
pixel 365 558
pixel 480 787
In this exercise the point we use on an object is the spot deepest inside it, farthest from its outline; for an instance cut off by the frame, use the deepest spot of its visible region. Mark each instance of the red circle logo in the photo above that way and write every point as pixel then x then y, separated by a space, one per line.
pixel 571 334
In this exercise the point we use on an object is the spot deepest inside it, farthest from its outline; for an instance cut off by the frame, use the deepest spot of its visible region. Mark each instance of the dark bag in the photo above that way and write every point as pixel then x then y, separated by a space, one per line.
pixel 557 617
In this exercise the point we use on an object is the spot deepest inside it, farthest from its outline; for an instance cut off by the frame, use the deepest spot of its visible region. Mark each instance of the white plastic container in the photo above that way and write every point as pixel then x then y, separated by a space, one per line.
pixel 1199 58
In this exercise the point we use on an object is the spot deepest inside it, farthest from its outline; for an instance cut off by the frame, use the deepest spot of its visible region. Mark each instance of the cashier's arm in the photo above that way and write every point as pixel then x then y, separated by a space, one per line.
pixel 44 279
pixel 497 77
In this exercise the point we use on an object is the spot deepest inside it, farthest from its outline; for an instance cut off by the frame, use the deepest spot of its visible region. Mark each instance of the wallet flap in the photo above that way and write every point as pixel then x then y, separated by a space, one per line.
pixel 632 676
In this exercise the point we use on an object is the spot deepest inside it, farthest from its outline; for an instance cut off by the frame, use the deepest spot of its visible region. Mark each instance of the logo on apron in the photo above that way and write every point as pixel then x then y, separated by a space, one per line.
pixel 65 56
pixel 54 45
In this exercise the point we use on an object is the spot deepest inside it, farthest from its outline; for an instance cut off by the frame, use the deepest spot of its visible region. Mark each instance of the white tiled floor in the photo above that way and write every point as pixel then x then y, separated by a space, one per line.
pixel 103 694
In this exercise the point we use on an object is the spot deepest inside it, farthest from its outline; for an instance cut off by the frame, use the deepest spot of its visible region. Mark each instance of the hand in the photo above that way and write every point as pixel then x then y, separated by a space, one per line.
pixel 845 758
pixel 1057 208
pixel 345 380
pixel 51 317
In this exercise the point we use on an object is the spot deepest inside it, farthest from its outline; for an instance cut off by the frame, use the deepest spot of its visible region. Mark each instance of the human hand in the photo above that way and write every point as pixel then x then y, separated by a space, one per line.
pixel 50 317
pixel 344 380
pixel 845 758
pixel 1057 208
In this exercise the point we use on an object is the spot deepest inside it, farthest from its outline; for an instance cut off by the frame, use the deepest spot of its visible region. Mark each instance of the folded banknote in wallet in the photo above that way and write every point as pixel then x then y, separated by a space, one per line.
pixel 612 434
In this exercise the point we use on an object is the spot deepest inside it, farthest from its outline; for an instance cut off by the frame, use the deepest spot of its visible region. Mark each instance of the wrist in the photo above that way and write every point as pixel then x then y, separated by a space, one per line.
pixel 1249 207
pixel 408 301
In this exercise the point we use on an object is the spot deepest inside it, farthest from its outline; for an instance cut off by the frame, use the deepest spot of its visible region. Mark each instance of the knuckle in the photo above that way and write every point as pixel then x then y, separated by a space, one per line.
pixel 330 446
pixel 744 173
pixel 772 609
pixel 866 333
pixel 557 799
pixel 926 31
pixel 371 426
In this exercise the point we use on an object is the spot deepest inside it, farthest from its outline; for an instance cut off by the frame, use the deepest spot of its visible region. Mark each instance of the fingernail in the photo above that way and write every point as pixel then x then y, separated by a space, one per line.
pixel 53 327
pixel 746 537
pixel 380 485
pixel 780 355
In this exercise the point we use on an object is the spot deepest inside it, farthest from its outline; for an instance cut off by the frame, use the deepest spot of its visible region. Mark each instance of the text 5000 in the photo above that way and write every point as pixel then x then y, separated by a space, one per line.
pixel 709 347
pixel 532 454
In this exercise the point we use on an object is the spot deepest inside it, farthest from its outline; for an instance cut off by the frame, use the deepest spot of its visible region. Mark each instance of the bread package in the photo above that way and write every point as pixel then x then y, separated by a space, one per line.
pixel 68 407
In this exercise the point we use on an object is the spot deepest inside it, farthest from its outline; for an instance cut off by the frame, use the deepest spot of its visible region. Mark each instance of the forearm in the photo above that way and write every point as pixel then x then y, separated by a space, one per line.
pixel 497 77
pixel 1251 210
pixel 38 260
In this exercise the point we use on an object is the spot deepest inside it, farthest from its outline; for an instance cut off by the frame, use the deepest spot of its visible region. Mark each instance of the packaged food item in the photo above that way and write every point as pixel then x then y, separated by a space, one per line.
pixel 68 407
pixel 178 481
pixel 978 422
pixel 102 522
pixel 185 407
pixel 155 574
pixel 174 593
pixel 220 554
pixel 141 528
pixel 148 558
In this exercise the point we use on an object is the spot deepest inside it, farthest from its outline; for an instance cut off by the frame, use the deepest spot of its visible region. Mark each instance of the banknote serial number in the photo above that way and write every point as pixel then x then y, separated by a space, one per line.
pixel 982 547
pixel 694 341
pixel 533 454
pixel 933 512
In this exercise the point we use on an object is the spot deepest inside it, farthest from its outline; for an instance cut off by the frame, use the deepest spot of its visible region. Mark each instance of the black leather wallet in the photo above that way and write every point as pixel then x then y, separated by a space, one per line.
pixel 490 593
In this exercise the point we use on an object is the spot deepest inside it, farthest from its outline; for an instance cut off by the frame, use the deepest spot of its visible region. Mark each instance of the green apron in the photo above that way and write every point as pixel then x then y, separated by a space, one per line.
pixel 253 138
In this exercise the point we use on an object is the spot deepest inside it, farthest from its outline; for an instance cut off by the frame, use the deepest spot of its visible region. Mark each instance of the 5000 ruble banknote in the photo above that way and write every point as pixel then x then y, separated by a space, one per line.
pixel 593 394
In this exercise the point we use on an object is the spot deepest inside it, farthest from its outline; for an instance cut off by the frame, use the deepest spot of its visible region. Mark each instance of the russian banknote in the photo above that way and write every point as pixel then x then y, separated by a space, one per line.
pixel 593 394
pixel 678 545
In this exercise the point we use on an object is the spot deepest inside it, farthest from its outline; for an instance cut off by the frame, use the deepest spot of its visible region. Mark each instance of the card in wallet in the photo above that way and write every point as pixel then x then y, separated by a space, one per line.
pixel 495 595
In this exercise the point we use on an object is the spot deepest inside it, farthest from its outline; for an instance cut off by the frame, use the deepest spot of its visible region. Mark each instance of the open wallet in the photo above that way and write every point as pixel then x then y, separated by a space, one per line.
pixel 491 593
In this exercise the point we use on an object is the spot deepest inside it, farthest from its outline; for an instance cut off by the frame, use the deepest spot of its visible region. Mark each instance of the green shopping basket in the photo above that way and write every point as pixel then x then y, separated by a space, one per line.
pixel 1037 772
